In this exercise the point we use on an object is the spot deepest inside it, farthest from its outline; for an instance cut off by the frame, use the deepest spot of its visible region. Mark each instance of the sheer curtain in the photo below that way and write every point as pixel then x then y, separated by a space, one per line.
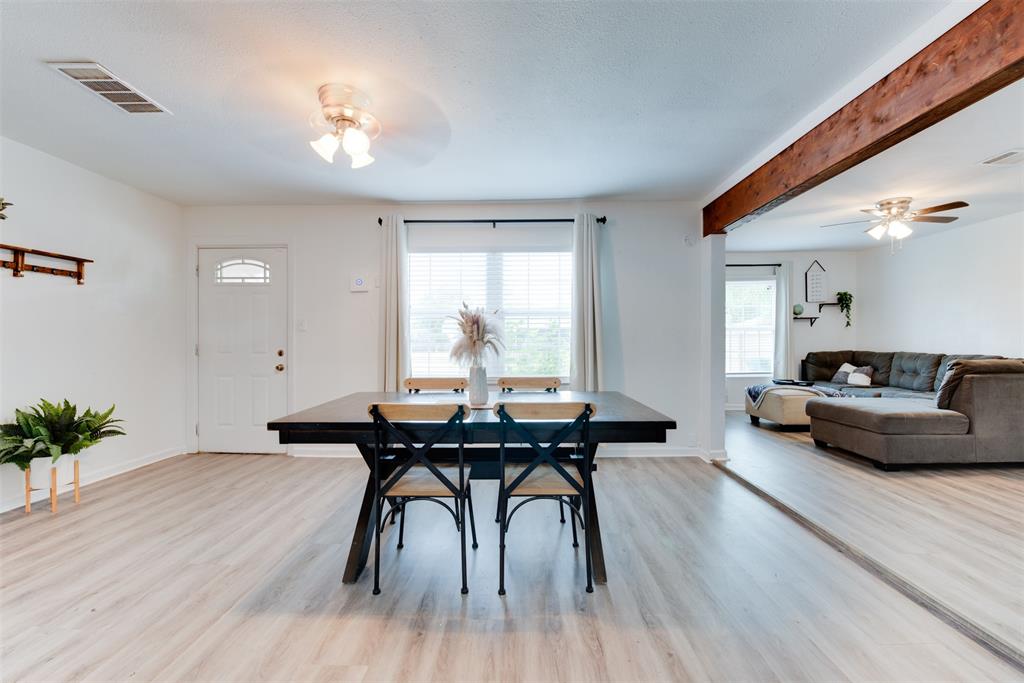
pixel 783 362
pixel 394 323
pixel 586 358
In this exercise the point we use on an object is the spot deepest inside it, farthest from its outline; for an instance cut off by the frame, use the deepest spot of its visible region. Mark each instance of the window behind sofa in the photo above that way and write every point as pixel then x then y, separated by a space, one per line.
pixel 749 325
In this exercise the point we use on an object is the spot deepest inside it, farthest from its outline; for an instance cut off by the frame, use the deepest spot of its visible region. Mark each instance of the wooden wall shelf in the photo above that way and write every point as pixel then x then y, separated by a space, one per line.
pixel 821 306
pixel 812 318
pixel 18 266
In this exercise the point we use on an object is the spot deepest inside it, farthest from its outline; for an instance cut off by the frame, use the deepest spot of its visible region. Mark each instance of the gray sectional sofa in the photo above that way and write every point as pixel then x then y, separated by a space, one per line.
pixel 896 421
pixel 897 374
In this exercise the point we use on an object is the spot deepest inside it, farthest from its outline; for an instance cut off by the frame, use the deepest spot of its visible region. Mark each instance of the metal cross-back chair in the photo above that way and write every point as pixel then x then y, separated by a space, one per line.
pixel 417 478
pixel 548 385
pixel 545 478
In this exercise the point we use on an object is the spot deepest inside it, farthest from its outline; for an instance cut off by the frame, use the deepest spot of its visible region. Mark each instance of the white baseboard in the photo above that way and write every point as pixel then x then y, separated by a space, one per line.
pixel 323 450
pixel 646 451
pixel 89 477
pixel 734 406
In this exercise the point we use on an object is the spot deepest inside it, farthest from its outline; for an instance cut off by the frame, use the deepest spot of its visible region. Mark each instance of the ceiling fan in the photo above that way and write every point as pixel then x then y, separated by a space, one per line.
pixel 892 216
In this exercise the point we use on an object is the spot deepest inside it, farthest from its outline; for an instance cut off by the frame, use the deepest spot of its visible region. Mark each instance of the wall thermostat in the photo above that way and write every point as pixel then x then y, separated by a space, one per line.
pixel 359 283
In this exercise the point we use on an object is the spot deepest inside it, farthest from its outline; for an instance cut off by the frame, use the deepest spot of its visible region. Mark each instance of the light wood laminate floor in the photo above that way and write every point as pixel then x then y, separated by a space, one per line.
pixel 228 567
pixel 957 533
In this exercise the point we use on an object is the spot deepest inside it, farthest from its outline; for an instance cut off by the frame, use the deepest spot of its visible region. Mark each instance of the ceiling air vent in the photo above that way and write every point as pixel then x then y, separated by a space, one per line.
pixel 108 86
pixel 1008 158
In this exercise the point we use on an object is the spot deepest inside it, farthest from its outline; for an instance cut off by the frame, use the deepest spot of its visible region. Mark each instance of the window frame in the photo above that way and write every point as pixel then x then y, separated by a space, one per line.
pixel 767 279
pixel 496 299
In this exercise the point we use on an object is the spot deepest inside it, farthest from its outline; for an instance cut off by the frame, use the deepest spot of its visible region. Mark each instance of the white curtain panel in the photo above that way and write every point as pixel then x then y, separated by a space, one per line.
pixel 394 317
pixel 784 365
pixel 586 361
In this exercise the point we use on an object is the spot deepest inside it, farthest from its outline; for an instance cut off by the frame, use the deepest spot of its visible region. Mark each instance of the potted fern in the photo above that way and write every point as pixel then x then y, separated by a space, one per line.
pixel 52 435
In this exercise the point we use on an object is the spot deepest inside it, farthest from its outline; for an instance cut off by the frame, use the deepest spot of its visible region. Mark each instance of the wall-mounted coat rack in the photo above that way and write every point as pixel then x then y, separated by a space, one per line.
pixel 18 265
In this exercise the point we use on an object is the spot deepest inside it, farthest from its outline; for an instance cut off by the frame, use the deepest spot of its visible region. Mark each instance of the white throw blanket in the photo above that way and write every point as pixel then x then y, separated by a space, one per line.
pixel 757 392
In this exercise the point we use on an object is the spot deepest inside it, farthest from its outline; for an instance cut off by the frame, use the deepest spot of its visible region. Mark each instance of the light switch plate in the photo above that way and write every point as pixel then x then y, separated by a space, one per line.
pixel 359 283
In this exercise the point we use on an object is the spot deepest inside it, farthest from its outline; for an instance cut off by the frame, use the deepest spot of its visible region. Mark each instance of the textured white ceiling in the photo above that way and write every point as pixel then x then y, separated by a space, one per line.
pixel 938 165
pixel 479 101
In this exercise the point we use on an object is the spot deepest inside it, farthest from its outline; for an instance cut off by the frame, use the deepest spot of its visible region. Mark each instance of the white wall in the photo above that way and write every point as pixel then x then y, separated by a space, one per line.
pixel 651 290
pixel 959 291
pixel 117 339
pixel 830 332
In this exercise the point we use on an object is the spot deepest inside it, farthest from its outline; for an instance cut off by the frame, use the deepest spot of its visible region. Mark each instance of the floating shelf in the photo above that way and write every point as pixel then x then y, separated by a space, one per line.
pixel 18 265
pixel 812 319
pixel 821 306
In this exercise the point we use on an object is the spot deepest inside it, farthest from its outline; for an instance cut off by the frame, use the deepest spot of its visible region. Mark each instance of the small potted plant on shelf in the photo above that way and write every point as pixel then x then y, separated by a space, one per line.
pixel 845 301
pixel 45 441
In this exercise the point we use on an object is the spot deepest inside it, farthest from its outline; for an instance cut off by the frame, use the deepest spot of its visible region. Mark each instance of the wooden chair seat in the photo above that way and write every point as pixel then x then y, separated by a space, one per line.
pixel 543 481
pixel 419 482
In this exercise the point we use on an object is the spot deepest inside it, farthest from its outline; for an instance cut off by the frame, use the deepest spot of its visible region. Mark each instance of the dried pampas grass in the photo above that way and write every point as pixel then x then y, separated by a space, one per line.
pixel 479 333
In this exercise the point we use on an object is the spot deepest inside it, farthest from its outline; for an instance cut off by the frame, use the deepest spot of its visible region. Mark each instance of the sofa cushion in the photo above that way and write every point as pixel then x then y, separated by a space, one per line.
pixel 947 359
pixel 896 392
pixel 850 389
pixel 822 365
pixel 914 370
pixel 879 360
pixel 889 415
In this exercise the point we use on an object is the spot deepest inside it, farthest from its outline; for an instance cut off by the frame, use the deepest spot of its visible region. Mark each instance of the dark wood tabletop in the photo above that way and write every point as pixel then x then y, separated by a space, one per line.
pixel 618 418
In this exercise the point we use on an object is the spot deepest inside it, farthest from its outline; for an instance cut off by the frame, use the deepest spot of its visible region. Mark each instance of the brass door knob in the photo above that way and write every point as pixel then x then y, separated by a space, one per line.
pixel 280 352
pixel 279 367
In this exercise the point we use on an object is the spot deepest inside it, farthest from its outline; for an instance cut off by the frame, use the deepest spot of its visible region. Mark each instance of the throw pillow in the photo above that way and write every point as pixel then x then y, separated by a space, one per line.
pixel 843 373
pixel 861 377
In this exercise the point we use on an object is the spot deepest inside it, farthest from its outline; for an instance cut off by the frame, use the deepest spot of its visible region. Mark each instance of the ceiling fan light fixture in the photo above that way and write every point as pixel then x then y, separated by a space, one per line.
pixel 878 231
pixel 326 146
pixel 898 229
pixel 355 142
pixel 362 160
pixel 345 109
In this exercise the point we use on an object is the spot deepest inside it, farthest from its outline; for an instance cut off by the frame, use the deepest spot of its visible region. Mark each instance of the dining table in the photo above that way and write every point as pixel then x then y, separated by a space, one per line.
pixel 346 420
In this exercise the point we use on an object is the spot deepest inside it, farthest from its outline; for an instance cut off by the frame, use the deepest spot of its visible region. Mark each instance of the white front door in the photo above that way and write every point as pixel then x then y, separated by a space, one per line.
pixel 243 359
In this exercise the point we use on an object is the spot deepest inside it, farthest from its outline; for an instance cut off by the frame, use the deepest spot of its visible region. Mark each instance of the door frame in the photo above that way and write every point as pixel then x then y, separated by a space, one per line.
pixel 192 337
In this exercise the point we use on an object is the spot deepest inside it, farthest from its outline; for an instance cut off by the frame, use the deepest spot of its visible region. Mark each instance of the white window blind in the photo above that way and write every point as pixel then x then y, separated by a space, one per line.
pixel 522 271
pixel 749 326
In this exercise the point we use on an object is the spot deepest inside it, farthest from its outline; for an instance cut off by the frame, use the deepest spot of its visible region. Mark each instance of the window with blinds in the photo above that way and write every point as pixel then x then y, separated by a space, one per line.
pixel 523 272
pixel 749 326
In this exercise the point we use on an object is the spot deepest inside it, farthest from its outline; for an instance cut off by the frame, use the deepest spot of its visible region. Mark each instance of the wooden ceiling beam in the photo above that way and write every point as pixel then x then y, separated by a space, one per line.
pixel 978 56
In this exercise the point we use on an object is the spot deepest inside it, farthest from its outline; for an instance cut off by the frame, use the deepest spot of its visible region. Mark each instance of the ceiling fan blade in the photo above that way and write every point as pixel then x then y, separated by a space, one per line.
pixel 941 207
pixel 832 225
pixel 874 212
pixel 933 219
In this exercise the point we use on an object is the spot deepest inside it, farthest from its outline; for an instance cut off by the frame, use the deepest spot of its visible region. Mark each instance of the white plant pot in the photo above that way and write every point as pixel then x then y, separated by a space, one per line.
pixel 40 475
pixel 477 386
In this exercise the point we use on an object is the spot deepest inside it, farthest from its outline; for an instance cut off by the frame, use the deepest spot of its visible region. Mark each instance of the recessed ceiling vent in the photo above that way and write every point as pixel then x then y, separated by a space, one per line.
pixel 1008 158
pixel 108 86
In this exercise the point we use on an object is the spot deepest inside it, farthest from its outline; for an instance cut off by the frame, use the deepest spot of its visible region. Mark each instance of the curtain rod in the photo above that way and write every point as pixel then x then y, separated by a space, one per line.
pixel 600 219
pixel 753 265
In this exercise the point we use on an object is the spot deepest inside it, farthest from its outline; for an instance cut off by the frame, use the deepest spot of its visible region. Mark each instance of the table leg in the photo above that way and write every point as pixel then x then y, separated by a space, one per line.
pixel 597 549
pixel 363 536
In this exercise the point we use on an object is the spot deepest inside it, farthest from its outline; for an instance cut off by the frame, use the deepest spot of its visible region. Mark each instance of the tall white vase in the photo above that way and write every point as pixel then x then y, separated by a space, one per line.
pixel 477 386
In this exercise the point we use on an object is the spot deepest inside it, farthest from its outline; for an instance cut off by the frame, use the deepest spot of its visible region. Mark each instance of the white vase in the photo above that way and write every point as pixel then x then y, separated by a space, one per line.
pixel 477 386
pixel 39 477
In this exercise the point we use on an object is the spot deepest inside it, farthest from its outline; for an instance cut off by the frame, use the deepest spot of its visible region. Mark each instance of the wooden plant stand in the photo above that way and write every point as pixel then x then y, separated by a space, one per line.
pixel 53 488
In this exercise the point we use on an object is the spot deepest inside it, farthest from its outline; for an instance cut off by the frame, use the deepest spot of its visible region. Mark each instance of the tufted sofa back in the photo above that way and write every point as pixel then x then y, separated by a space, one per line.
pixel 915 371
